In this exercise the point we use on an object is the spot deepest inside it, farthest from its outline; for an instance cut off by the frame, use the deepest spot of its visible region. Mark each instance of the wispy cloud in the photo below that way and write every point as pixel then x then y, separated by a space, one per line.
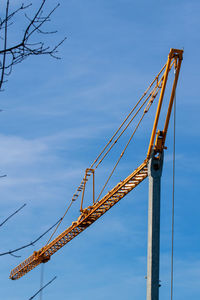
pixel 17 150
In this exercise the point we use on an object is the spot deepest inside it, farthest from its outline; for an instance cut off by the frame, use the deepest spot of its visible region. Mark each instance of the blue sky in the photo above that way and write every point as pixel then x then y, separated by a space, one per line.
pixel 56 118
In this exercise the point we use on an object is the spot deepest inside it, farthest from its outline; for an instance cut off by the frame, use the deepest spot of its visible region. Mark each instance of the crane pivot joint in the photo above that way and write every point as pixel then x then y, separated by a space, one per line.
pixel 39 255
pixel 159 143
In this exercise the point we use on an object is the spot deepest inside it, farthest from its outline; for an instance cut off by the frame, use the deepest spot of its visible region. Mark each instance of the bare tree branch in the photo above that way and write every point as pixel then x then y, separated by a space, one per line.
pixel 30 244
pixel 12 215
pixel 2 176
pixel 5 45
pixel 14 54
pixel 18 256
pixel 2 22
pixel 42 288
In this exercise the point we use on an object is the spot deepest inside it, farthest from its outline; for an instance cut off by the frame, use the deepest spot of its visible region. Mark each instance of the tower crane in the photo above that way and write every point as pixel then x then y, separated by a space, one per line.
pixel 101 205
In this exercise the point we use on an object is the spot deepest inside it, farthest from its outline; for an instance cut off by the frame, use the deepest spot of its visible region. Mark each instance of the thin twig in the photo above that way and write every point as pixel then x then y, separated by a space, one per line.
pixel 2 176
pixel 42 288
pixel 31 243
pixel 12 215
pixel 5 46
pixel 25 47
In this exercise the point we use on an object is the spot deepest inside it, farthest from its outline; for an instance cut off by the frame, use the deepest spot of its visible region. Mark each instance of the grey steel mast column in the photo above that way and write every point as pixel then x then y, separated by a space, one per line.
pixel 153 255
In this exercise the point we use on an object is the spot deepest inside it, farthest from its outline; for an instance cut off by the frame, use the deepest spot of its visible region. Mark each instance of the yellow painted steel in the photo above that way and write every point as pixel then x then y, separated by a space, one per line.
pixel 92 213
pixel 179 57
pixel 88 216
pixel 174 54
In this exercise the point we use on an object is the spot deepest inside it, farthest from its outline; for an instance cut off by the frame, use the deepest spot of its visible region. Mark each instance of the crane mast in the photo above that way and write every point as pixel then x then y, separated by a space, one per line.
pixel 92 213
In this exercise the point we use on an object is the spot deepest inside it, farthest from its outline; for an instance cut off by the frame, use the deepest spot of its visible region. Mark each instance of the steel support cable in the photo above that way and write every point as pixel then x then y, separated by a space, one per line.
pixel 122 154
pixel 101 161
pixel 145 101
pixel 173 200
pixel 59 222
pixel 79 189
pixel 127 117
pixel 150 95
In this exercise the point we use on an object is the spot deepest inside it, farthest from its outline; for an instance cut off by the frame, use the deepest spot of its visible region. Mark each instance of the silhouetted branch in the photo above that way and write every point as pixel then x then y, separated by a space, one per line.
pixel 25 47
pixel 2 176
pixel 42 288
pixel 30 244
pixel 12 214
pixel 5 46
pixel 15 255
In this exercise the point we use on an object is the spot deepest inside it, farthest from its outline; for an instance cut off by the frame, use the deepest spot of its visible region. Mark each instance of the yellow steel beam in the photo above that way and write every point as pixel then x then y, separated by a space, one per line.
pixel 88 216
pixel 174 54
pixel 179 54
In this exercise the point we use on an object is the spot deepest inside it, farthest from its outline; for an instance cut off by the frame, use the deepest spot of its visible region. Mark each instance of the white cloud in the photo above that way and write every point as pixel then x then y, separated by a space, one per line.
pixel 17 150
